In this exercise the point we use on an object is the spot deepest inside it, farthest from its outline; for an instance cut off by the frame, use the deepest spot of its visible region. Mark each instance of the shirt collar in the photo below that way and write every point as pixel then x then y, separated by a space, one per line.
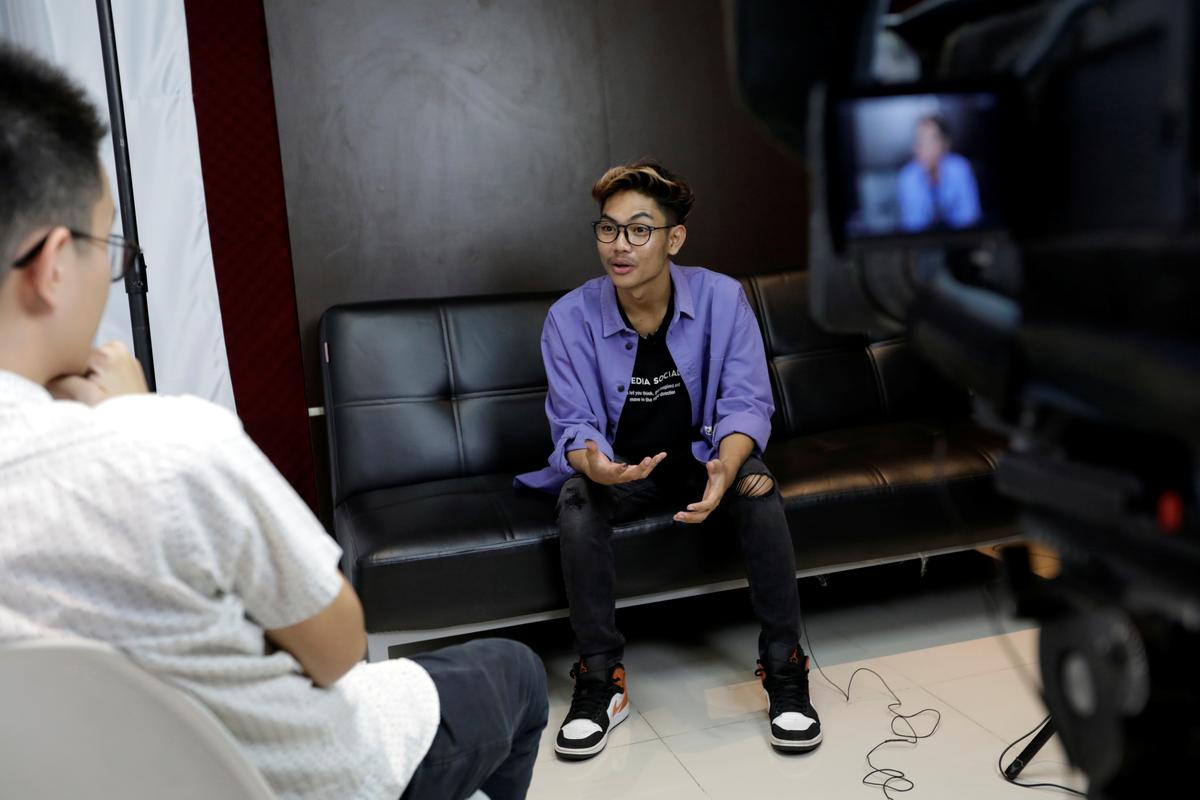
pixel 16 390
pixel 610 311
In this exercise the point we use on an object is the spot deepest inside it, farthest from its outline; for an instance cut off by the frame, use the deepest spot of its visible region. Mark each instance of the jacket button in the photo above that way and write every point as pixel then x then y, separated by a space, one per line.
pixel 620 387
pixel 629 345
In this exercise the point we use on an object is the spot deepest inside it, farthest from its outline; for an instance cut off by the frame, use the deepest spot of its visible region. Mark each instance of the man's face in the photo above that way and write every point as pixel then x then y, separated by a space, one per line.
pixel 631 266
pixel 929 145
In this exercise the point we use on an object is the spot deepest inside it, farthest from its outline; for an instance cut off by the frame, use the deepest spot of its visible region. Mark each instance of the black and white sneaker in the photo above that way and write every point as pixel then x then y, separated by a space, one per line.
pixel 598 705
pixel 795 727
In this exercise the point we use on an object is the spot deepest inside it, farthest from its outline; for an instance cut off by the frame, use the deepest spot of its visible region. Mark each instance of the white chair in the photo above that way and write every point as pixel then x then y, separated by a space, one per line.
pixel 78 719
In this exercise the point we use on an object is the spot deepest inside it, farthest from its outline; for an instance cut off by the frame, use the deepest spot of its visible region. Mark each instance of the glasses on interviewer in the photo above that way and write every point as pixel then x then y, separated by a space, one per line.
pixel 121 252
pixel 636 233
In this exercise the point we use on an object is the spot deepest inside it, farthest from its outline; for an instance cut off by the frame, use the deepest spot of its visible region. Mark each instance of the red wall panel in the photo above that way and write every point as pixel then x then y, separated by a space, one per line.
pixel 247 218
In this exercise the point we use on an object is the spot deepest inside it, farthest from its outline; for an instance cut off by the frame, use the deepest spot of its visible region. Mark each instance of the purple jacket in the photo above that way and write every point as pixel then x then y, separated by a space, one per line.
pixel 589 353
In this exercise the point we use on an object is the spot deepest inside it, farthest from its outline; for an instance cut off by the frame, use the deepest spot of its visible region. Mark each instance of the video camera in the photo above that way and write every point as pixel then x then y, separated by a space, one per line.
pixel 1016 184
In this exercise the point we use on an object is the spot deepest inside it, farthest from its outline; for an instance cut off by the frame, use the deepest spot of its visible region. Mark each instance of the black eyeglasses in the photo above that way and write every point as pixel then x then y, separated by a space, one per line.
pixel 636 233
pixel 121 252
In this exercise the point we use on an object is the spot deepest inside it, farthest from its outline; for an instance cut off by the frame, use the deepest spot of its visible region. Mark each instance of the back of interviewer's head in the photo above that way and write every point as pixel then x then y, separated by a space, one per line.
pixel 49 138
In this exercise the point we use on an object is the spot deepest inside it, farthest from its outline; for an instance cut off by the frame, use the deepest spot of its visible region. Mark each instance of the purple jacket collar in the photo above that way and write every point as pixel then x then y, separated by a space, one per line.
pixel 610 314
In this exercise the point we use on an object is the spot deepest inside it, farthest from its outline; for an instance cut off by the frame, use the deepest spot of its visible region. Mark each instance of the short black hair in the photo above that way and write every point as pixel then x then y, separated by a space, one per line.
pixel 49 138
pixel 939 122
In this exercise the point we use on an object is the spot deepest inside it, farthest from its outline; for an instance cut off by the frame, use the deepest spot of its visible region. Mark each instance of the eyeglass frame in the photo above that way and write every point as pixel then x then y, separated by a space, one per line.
pixel 131 250
pixel 625 228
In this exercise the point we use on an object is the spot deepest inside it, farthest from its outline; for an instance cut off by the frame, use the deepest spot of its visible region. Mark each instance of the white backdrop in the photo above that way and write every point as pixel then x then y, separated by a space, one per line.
pixel 185 316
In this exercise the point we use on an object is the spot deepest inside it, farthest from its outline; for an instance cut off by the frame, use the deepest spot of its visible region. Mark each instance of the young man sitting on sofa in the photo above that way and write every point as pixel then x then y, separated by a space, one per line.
pixel 658 393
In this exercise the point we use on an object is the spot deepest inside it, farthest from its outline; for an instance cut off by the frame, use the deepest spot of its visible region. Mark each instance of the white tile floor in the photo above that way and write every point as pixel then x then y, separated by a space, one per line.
pixel 698 728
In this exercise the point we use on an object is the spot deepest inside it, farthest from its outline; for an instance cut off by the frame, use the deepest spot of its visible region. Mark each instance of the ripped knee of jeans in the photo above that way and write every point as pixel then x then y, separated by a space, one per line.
pixel 756 484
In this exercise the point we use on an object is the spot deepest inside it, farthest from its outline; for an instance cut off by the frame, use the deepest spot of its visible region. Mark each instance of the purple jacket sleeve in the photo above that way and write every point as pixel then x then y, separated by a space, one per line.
pixel 744 402
pixel 569 399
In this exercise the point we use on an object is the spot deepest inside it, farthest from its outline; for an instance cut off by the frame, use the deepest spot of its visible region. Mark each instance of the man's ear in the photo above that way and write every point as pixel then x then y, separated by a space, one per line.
pixel 42 279
pixel 675 239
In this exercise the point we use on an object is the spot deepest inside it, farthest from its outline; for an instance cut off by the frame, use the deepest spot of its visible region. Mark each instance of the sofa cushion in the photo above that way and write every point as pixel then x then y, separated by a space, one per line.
pixel 878 458
pixel 472 549
pixel 420 390
pixel 823 381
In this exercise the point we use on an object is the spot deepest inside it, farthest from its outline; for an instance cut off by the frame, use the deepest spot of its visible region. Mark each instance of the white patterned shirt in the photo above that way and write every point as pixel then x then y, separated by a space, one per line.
pixel 154 524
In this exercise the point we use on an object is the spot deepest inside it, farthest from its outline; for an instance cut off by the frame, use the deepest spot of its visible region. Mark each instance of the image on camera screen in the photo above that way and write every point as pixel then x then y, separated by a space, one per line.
pixel 919 163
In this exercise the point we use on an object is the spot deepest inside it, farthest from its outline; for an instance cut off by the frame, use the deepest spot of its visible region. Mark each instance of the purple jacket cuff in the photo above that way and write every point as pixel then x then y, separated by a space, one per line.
pixel 752 425
pixel 575 438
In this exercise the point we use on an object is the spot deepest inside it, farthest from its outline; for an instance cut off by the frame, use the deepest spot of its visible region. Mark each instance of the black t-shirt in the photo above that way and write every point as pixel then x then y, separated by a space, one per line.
pixel 657 416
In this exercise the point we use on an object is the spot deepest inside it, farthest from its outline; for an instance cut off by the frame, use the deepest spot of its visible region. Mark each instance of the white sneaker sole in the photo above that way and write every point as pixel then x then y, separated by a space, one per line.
pixel 790 744
pixel 578 754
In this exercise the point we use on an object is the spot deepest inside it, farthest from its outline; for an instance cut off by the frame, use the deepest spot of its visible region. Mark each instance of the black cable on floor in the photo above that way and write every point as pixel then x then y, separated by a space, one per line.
pixel 1015 782
pixel 893 780
pixel 993 604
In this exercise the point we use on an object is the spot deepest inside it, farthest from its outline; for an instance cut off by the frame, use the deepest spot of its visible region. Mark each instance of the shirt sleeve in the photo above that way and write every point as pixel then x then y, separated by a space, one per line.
pixel 912 199
pixel 964 208
pixel 264 544
pixel 569 404
pixel 744 402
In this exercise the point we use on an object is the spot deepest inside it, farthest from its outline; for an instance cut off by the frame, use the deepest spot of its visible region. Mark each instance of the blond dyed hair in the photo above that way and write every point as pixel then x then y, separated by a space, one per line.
pixel 652 179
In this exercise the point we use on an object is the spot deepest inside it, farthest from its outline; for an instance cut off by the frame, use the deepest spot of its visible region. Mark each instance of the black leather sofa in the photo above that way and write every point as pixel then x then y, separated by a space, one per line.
pixel 433 406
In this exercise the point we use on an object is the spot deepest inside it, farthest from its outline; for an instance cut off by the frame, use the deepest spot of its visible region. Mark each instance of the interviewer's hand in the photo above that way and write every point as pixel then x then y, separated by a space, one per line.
pixel 718 483
pixel 601 469
pixel 111 371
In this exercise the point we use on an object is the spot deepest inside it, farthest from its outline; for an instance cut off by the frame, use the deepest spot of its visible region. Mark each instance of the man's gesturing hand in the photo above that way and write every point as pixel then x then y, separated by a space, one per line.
pixel 603 470
pixel 718 482
pixel 111 371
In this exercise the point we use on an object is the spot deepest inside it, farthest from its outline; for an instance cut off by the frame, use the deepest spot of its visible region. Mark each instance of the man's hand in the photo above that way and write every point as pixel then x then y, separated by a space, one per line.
pixel 111 371
pixel 600 469
pixel 718 482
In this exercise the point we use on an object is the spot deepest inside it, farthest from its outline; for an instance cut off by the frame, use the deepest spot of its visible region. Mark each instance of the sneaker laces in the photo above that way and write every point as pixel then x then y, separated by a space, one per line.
pixel 786 689
pixel 590 698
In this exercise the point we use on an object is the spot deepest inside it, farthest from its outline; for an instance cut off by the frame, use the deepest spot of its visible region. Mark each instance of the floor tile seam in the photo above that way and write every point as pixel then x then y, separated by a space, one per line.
pixel 993 631
pixel 684 767
pixel 1023 675
pixel 955 643
pixel 922 684
pixel 748 716
pixel 970 718
pixel 646 719
pixel 997 735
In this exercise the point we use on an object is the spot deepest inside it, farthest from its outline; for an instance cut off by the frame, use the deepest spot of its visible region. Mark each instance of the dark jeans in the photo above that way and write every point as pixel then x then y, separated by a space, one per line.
pixel 587 512
pixel 493 699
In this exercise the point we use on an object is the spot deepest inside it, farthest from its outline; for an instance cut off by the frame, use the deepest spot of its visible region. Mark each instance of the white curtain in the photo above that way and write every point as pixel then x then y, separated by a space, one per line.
pixel 185 316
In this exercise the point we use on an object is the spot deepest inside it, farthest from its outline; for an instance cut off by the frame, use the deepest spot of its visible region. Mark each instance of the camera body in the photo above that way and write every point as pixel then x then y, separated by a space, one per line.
pixel 1016 185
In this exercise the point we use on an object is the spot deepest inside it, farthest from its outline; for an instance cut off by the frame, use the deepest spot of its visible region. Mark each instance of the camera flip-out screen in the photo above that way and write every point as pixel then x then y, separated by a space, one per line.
pixel 915 163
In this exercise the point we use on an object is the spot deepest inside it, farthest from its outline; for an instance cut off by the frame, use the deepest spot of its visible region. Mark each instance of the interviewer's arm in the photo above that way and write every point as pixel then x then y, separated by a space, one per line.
pixel 329 643
pixel 260 540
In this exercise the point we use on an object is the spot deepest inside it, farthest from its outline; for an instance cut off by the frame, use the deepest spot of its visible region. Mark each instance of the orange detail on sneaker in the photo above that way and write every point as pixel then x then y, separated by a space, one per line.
pixel 794 658
pixel 619 680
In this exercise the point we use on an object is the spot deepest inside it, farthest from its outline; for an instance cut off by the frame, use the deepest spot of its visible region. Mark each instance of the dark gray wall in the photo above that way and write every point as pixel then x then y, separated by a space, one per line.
pixel 435 148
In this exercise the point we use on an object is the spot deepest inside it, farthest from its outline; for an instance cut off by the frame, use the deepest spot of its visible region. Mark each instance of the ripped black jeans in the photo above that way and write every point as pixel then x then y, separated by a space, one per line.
pixel 587 512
